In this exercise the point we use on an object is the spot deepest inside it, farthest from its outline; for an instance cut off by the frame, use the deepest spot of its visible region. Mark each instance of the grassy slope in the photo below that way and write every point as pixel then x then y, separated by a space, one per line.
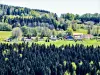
pixel 4 35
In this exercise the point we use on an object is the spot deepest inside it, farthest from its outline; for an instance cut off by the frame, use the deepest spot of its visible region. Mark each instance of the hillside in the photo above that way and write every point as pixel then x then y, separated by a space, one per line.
pixel 20 16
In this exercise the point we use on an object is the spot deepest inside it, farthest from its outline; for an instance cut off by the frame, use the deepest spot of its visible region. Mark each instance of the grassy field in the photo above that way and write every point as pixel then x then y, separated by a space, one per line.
pixel 67 42
pixel 4 35
pixel 81 31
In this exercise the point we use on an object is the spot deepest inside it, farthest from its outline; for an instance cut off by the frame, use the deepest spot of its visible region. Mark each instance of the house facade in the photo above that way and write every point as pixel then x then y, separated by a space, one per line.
pixel 54 38
pixel 78 36
pixel 88 36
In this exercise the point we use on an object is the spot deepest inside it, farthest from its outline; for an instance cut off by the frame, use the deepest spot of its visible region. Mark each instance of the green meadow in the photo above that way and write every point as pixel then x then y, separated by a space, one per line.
pixel 6 34
pixel 67 42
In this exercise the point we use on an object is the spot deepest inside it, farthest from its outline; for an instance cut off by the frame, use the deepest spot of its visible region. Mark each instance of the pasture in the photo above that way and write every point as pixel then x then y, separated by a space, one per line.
pixel 6 34
pixel 67 42
pixel 81 31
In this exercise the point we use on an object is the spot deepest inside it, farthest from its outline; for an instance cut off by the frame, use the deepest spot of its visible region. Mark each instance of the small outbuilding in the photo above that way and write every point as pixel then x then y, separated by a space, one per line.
pixel 54 38
pixel 69 37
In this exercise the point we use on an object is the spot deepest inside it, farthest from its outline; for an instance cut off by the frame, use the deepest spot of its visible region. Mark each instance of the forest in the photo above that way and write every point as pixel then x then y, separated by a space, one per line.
pixel 20 16
pixel 34 59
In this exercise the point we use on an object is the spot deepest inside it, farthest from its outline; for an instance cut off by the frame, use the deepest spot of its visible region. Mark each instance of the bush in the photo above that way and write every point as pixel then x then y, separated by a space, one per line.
pixel 5 27
pixel 28 31
pixel 36 39
pixel 69 31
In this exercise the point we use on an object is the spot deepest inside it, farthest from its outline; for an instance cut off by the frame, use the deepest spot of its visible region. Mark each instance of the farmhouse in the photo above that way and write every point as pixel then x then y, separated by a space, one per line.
pixel 78 36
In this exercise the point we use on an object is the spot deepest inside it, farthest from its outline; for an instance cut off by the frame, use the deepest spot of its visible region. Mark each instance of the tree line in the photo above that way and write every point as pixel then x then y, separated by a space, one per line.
pixel 20 16
pixel 83 18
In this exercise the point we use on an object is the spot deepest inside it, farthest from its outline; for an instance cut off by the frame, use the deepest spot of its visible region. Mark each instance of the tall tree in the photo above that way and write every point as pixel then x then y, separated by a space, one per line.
pixel 17 33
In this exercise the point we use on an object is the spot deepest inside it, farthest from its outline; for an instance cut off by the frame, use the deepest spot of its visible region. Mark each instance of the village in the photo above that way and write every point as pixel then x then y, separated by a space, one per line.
pixel 75 37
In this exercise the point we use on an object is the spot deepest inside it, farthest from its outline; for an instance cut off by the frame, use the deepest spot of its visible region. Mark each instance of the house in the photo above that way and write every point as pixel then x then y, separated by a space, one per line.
pixel 88 36
pixel 33 38
pixel 78 36
pixel 25 39
pixel 54 38
pixel 68 37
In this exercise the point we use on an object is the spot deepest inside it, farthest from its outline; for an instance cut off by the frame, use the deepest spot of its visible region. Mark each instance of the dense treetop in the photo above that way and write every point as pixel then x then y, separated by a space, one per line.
pixel 26 59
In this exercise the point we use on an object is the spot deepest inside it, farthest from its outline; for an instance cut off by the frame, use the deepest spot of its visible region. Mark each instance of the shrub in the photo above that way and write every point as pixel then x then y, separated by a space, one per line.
pixel 5 27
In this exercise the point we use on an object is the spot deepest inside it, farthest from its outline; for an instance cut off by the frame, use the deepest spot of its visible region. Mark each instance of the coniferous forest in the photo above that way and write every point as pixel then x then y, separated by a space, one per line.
pixel 23 59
